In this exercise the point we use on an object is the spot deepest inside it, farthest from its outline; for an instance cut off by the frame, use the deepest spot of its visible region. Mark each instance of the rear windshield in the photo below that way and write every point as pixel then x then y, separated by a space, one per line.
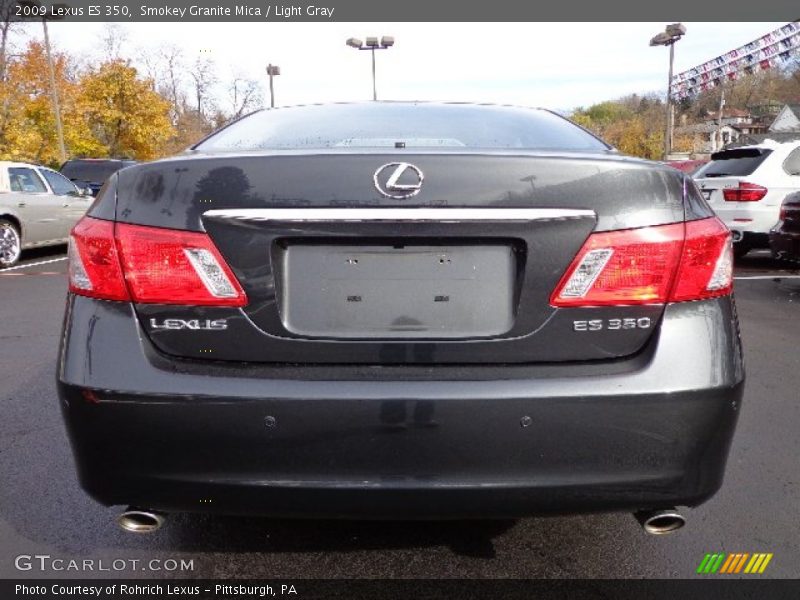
pixel 91 171
pixel 387 125
pixel 736 162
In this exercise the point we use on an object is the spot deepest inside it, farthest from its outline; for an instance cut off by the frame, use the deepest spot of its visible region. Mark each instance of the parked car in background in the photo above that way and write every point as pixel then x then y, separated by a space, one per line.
pixel 687 166
pixel 745 187
pixel 93 172
pixel 38 207
pixel 784 239
pixel 371 310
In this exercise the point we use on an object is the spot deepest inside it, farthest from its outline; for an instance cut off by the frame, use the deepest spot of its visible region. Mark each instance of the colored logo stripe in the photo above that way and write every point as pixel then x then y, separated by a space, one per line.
pixel 733 563
pixel 758 563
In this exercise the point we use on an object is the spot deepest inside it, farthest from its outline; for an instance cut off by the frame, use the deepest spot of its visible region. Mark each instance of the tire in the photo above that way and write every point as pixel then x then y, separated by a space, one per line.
pixel 10 244
pixel 740 249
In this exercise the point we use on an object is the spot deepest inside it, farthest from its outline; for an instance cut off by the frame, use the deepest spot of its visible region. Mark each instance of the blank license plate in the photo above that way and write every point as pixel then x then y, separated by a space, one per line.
pixel 398 292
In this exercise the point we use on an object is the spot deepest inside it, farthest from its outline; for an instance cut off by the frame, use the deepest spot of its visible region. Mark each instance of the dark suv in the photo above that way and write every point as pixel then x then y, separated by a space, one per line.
pixel 92 173
pixel 401 310
pixel 784 238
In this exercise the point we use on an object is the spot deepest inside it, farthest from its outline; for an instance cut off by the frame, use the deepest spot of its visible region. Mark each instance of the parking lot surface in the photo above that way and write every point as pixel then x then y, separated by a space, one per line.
pixel 43 511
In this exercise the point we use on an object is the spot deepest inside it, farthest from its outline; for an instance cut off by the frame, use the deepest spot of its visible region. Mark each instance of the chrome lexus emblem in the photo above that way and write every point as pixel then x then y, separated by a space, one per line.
pixel 391 186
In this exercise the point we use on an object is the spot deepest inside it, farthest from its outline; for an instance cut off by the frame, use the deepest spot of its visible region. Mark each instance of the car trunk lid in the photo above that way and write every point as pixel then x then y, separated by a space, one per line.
pixel 460 272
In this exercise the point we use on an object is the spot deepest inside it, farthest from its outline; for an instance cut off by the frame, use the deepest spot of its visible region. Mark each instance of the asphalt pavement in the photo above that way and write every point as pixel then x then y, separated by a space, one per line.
pixel 44 512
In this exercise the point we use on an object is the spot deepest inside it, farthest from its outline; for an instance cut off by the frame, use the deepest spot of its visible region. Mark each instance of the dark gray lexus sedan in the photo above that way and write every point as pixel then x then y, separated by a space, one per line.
pixel 400 310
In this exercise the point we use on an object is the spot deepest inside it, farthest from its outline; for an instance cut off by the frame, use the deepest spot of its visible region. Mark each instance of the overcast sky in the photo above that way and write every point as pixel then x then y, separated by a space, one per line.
pixel 554 65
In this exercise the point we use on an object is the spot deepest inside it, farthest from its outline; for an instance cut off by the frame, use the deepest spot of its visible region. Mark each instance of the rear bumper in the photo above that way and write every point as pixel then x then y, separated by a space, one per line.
pixel 423 442
pixel 753 219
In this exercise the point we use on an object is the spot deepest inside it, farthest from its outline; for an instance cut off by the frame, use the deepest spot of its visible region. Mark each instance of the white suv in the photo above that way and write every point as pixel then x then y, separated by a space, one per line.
pixel 745 187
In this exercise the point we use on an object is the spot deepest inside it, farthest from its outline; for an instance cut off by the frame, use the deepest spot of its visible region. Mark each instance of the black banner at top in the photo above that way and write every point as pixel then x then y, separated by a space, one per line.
pixel 399 11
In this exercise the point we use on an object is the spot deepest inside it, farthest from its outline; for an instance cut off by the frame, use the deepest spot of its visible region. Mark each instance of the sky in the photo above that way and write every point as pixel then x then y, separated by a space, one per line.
pixel 559 66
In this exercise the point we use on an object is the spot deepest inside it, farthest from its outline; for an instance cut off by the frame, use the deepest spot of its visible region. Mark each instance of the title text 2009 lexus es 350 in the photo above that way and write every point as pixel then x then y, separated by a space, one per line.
pixel 400 310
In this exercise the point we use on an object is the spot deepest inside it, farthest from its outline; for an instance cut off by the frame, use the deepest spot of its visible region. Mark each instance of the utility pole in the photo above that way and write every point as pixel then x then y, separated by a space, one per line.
pixel 374 85
pixel 670 126
pixel 719 119
pixel 668 37
pixel 373 43
pixel 272 71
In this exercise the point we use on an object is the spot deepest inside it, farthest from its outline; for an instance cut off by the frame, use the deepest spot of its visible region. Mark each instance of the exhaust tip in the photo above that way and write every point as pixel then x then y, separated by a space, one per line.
pixel 137 520
pixel 661 522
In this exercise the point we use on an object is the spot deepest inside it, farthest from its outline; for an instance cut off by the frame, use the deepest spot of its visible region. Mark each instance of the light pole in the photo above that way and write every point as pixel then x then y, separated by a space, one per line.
pixel 668 37
pixel 272 71
pixel 372 44
pixel 236 81
pixel 62 150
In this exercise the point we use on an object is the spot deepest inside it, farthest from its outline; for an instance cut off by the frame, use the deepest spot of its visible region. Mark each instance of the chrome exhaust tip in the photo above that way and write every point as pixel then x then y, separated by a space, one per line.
pixel 137 520
pixel 736 236
pixel 660 522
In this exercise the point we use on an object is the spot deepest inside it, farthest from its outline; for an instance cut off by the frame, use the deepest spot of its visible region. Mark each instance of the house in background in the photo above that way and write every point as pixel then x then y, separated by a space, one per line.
pixel 788 119
pixel 742 128
pixel 785 127
pixel 713 134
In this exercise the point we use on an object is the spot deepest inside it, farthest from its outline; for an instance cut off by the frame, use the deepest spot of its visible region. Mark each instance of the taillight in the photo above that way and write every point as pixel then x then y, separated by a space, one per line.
pixel 746 192
pixel 94 268
pixel 157 266
pixel 706 269
pixel 650 265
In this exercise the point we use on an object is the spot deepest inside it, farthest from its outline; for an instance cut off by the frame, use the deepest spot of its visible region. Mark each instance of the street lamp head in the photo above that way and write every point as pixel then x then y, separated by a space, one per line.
pixel 354 42
pixel 661 39
pixel 372 42
pixel 670 35
pixel 676 30
pixel 387 41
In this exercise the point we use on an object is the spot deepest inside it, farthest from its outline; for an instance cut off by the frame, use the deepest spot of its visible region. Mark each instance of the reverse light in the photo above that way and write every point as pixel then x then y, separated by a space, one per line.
pixel 650 265
pixel 745 192
pixel 150 265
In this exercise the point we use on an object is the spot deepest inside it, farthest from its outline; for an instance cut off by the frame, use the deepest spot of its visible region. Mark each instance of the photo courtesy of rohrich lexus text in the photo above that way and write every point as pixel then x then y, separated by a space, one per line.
pixel 399 301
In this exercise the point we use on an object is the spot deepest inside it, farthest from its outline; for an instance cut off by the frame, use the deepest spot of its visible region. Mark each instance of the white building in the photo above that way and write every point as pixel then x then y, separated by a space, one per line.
pixel 788 119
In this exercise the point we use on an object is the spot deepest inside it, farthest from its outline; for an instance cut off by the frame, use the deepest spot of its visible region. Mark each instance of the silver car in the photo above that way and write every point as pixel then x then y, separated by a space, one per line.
pixel 38 207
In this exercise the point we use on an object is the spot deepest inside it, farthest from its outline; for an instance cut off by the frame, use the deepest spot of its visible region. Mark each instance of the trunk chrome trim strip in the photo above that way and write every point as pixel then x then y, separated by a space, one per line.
pixel 447 215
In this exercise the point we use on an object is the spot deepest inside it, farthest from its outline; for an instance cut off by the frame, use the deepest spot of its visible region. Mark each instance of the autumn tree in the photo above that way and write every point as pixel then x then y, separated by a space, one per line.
pixel 6 88
pixel 125 115
pixel 633 124
pixel 599 117
pixel 27 126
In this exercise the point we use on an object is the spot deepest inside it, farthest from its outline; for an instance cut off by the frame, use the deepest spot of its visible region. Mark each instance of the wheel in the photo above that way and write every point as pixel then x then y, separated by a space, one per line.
pixel 740 249
pixel 10 244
